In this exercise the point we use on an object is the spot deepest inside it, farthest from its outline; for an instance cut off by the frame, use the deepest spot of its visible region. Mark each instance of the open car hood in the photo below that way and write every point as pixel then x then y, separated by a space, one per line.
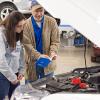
pixel 83 15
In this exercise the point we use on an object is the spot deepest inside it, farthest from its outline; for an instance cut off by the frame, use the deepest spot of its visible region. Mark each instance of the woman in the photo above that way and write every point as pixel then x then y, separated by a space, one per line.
pixel 11 53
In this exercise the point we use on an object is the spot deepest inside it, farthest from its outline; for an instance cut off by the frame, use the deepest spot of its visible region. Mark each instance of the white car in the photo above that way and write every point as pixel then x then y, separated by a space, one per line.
pixel 7 6
pixel 24 6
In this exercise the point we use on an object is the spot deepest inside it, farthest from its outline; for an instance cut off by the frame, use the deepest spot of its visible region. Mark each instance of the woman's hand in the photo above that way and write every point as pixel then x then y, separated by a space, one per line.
pixel 15 82
pixel 20 76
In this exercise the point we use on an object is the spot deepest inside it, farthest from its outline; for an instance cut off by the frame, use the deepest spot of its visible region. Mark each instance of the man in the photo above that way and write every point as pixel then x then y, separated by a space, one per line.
pixel 41 39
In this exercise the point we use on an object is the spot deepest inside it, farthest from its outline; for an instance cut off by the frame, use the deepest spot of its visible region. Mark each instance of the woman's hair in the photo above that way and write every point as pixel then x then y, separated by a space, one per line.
pixel 10 23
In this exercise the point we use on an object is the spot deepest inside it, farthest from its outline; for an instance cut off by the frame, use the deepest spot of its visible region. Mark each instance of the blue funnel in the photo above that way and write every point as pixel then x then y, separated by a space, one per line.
pixel 43 62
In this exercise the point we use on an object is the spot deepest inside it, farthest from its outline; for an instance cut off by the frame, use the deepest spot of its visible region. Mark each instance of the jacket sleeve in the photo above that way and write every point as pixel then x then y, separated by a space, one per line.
pixel 4 67
pixel 55 37
pixel 21 69
pixel 27 42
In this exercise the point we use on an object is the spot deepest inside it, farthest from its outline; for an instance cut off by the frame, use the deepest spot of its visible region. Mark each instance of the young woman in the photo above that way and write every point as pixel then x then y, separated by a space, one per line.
pixel 11 53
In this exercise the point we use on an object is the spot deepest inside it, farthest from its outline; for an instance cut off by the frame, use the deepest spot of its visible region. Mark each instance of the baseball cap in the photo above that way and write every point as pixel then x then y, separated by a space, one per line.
pixel 35 5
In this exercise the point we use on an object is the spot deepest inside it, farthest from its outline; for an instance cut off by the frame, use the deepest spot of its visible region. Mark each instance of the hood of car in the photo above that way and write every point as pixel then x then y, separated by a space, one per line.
pixel 83 15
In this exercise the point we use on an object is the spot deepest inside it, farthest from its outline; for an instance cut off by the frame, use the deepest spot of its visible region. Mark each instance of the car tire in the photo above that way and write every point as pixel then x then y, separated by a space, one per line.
pixel 5 9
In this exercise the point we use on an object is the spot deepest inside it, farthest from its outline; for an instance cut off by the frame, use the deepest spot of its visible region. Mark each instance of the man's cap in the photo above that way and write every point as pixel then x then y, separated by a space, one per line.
pixel 35 5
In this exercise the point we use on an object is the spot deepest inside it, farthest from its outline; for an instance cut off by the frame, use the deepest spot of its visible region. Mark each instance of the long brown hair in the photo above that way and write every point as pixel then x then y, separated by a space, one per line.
pixel 10 23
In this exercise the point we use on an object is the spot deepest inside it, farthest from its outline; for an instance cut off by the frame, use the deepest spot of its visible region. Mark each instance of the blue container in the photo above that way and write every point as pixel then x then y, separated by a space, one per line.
pixel 79 41
pixel 41 63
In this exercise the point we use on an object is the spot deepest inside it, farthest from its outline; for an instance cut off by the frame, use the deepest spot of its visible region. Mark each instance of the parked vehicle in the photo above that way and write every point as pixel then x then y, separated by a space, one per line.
pixel 96 54
pixel 24 6
pixel 7 6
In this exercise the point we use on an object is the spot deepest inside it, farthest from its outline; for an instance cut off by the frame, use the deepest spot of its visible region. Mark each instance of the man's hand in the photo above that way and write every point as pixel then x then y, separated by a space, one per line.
pixel 44 56
pixel 53 55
